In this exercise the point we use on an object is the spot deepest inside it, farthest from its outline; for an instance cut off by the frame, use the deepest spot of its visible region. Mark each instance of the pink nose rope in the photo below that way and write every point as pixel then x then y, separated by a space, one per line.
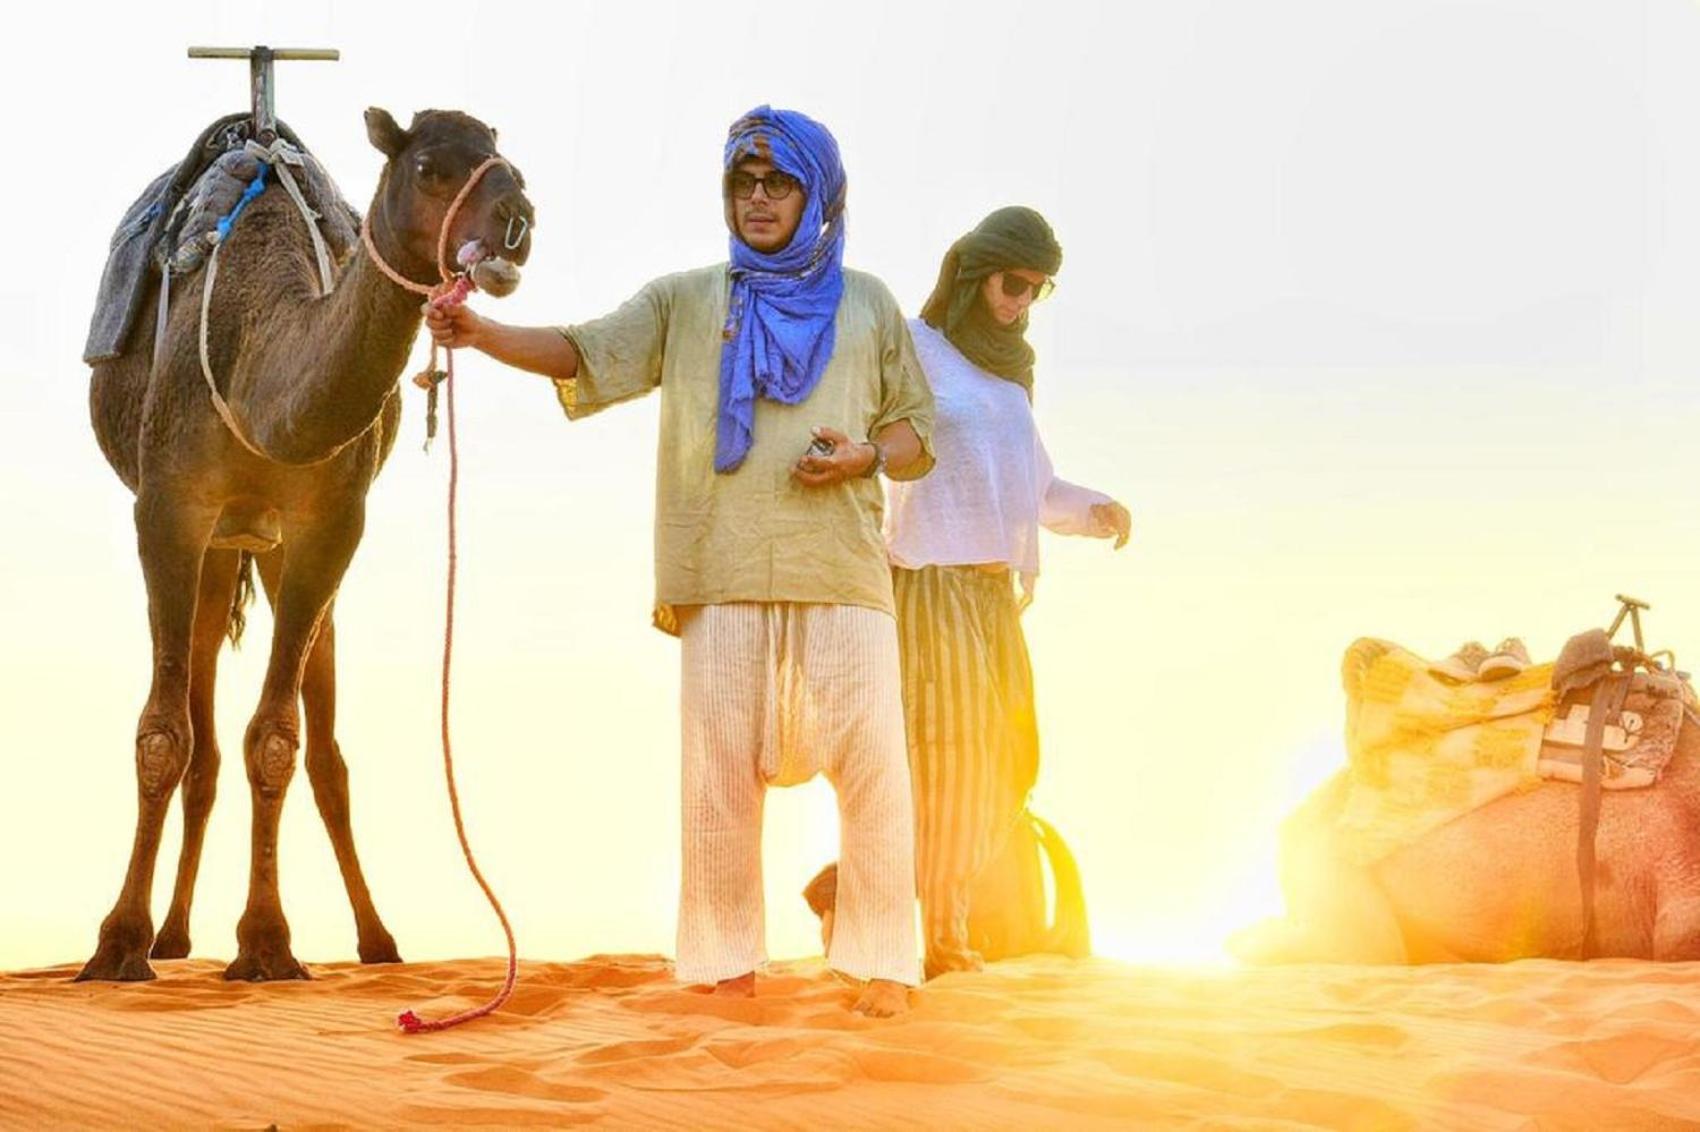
pixel 452 291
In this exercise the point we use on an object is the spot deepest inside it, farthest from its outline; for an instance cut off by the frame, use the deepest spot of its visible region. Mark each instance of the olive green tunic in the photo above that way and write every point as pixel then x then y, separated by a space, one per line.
pixel 755 534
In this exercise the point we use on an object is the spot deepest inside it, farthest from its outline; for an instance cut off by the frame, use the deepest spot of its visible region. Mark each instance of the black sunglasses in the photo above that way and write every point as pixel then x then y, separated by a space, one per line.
pixel 777 185
pixel 1015 286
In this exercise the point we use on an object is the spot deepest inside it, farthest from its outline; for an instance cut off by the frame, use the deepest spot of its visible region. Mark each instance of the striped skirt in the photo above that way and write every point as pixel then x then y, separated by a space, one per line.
pixel 972 736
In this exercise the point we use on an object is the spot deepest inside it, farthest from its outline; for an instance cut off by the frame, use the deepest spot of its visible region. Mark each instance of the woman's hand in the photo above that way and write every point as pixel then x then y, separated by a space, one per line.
pixel 1112 519
pixel 846 461
pixel 454 326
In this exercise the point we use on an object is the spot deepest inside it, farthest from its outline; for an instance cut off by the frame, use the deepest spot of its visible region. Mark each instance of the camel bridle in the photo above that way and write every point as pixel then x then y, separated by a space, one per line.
pixel 434 291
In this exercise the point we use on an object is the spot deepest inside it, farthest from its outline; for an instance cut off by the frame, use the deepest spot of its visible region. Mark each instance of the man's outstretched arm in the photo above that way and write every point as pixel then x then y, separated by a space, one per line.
pixel 536 349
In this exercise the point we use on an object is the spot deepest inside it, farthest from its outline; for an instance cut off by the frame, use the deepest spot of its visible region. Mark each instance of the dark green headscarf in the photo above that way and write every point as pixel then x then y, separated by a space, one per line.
pixel 1010 237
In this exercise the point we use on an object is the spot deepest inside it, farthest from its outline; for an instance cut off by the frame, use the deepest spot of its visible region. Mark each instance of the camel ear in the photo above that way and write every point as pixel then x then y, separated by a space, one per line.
pixel 389 138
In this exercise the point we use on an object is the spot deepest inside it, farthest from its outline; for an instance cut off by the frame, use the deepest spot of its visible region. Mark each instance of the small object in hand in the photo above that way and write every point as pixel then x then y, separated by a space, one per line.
pixel 820 446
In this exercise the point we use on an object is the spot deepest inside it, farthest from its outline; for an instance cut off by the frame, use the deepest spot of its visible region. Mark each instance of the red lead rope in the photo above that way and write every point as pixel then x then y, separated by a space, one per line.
pixel 411 1023
pixel 452 291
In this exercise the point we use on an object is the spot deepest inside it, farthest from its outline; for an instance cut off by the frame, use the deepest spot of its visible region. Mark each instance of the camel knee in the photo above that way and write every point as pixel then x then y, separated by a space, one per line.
pixel 270 757
pixel 162 756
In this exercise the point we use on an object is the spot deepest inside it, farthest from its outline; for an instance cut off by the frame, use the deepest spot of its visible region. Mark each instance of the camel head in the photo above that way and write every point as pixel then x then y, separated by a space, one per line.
pixel 426 166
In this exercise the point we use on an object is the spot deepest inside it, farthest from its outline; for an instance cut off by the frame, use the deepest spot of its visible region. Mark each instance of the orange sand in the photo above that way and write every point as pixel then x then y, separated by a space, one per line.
pixel 1032 1044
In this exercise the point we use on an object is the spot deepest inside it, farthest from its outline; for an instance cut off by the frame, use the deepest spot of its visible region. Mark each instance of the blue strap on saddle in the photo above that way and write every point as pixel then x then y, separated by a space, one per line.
pixel 254 189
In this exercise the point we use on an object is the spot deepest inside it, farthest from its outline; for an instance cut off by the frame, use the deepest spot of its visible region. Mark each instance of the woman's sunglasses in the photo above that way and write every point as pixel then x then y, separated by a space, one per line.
pixel 1015 286
pixel 777 185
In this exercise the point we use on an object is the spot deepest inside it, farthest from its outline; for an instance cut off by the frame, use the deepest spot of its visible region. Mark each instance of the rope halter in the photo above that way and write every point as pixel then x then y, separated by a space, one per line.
pixel 450 291
pixel 448 277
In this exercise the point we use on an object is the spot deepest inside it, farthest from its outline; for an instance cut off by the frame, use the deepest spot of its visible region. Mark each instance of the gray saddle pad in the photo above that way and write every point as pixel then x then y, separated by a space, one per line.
pixel 155 230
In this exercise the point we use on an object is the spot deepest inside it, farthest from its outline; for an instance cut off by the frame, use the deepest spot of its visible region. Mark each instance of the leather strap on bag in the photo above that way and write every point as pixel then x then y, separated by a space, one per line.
pixel 1609 695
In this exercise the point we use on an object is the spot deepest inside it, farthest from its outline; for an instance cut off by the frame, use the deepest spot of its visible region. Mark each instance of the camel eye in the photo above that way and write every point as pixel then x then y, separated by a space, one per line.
pixel 427 167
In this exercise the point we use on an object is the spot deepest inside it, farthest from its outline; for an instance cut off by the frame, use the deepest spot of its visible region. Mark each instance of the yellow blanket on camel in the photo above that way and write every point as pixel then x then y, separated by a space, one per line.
pixel 1425 748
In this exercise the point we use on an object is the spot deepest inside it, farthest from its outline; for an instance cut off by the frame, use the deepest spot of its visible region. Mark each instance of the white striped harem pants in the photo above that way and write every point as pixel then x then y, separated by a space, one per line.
pixel 773 693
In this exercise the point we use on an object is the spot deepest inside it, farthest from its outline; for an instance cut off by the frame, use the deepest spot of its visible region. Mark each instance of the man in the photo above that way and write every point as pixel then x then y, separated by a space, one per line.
pixel 787 384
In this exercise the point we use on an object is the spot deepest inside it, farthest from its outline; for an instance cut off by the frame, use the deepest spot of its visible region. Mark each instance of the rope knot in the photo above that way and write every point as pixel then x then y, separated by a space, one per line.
pixel 449 293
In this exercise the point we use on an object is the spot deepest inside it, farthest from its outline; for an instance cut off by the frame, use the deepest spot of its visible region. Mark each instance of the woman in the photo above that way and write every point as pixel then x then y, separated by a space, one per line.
pixel 955 539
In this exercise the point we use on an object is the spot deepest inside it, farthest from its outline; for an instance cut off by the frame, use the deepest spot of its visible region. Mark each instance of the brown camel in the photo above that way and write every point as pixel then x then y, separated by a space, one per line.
pixel 312 381
pixel 1499 883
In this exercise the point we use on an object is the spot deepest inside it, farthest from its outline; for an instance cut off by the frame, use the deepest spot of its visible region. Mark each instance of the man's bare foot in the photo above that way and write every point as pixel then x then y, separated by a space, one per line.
pixel 744 986
pixel 882 998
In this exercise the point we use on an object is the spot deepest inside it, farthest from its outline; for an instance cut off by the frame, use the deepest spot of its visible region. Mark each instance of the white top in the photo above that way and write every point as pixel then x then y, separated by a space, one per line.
pixel 992 487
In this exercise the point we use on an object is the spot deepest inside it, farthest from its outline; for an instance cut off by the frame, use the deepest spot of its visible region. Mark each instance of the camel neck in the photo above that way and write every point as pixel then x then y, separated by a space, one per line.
pixel 326 374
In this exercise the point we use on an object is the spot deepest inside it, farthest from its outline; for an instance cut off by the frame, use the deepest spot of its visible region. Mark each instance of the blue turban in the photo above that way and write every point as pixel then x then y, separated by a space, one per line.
pixel 780 314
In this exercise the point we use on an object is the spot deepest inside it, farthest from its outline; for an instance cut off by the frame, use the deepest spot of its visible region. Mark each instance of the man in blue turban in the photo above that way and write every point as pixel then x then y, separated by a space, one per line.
pixel 788 384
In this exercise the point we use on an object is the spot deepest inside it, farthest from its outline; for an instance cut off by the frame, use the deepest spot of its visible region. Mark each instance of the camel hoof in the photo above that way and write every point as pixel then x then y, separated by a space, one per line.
pixel 380 949
pixel 114 964
pixel 264 967
pixel 173 943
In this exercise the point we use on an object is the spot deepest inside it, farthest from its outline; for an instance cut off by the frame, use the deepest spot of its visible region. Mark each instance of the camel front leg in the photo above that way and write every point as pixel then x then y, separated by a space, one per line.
pixel 315 558
pixel 200 781
pixel 171 538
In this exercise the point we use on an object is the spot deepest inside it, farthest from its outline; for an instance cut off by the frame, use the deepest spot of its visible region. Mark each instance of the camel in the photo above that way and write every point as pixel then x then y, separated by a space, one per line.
pixel 1498 883
pixel 312 381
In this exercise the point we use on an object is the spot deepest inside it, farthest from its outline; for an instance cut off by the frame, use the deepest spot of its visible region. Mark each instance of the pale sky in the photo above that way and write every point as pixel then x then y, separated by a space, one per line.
pixel 1379 317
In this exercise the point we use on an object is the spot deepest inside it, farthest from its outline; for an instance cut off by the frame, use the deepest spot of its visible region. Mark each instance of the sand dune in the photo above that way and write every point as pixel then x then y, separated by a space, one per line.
pixel 1037 1043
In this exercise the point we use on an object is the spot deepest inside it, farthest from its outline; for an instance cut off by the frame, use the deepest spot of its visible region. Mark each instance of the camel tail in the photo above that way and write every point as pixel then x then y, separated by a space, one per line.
pixel 240 599
pixel 1071 935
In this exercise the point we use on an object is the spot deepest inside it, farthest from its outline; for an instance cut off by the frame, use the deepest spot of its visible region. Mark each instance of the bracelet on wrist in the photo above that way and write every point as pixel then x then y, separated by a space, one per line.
pixel 878 464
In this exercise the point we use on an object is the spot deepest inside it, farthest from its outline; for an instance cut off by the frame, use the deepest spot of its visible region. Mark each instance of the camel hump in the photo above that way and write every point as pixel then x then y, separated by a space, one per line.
pixel 169 222
pixel 1360 655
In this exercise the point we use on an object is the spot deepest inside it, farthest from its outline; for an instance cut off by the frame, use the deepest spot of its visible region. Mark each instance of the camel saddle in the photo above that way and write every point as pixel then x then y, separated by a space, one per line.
pixel 1643 716
pixel 1610 690
pixel 166 225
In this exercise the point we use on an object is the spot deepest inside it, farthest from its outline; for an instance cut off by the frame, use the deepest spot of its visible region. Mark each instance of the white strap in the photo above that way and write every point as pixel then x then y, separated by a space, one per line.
pixel 281 155
pixel 163 309
pixel 223 409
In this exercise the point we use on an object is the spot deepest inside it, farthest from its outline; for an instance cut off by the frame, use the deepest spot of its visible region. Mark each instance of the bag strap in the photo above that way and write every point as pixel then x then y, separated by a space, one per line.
pixel 1609 694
